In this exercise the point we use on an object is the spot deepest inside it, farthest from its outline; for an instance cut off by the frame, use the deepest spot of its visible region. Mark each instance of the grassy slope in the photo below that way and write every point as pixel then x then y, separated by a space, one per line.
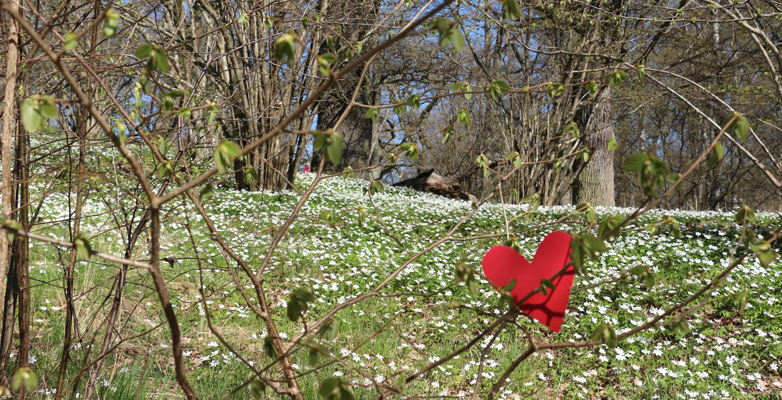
pixel 725 355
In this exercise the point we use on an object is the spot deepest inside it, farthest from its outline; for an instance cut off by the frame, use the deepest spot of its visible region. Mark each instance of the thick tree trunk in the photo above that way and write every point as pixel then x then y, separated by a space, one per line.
pixel 596 181
pixel 360 144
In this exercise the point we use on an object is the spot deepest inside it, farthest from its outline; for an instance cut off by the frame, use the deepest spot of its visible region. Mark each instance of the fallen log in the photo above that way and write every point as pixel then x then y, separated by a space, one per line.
pixel 432 182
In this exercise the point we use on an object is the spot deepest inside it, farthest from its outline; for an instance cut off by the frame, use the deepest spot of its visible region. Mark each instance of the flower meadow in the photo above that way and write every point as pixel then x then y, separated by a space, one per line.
pixel 422 314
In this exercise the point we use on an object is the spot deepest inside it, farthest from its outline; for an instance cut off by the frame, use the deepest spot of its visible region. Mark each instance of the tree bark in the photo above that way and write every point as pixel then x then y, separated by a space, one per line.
pixel 596 181
pixel 12 56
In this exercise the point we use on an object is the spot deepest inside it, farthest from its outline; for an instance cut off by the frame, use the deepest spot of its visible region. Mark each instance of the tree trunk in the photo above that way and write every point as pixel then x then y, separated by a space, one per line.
pixel 596 181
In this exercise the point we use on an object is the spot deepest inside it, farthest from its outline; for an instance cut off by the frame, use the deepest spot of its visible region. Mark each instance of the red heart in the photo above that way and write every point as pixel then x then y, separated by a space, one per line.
pixel 501 264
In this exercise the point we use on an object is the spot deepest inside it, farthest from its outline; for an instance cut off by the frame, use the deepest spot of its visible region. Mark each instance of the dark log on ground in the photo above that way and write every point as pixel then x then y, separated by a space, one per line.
pixel 432 182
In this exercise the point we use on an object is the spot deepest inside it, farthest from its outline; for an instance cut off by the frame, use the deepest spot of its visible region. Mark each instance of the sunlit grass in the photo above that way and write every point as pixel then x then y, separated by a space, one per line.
pixel 416 320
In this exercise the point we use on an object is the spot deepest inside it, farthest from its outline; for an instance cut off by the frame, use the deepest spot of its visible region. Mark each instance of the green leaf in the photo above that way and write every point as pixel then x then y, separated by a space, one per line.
pixel 110 23
pixel 592 87
pixel 463 117
pixel 70 41
pixel 464 87
pixel 225 153
pixel 334 148
pixel 597 333
pixel 24 377
pixel 635 162
pixel 572 129
pixel 641 68
pixel 250 175
pixel 285 45
pixel 457 38
pixel 745 215
pixel 325 216
pixel 257 388
pixel 13 226
pixel 348 173
pixel 555 89
pixel 243 20
pixel 329 329
pixel 31 119
pixel 144 51
pixel 414 101
pixel 206 193
pixel 612 144
pixel 411 150
pixel 448 33
pixel 184 112
pixel 362 215
pixel 212 113
pixel 314 354
pixel 375 187
pixel 83 248
pixel 512 11
pixel 161 60
pixel 48 109
pixel 371 113
pixel 447 135
pixel 175 93
pixel 121 132
pixel 166 169
pixel 324 63
pixel 740 300
pixel 716 155
pixel 294 310
pixel 617 77
pixel 764 252
pixel 268 347
pixel 739 126
pixel 546 284
pixel 335 389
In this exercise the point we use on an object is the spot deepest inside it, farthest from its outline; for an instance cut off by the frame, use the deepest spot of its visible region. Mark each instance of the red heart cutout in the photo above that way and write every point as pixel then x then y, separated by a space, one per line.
pixel 501 264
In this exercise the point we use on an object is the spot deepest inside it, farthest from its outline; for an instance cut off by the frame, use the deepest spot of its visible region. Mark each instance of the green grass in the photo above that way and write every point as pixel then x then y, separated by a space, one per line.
pixel 415 321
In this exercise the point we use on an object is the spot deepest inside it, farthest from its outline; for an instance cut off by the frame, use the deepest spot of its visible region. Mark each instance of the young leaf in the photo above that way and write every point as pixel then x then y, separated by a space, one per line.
pixel 329 330
pixel 24 377
pixel 739 126
pixel 224 154
pixel 83 248
pixel 447 135
pixel 512 11
pixel 111 23
pixel 635 162
pixel 31 119
pixel 206 193
pixel 257 388
pixel 612 144
pixel 555 89
pixel 144 50
pixel 465 88
pixel 463 117
pixel 334 148
pixel 184 112
pixel 592 87
pixel 414 101
pixel 160 59
pixel 324 63
pixel 617 77
pixel 371 113
pixel 70 41
pixel 285 45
